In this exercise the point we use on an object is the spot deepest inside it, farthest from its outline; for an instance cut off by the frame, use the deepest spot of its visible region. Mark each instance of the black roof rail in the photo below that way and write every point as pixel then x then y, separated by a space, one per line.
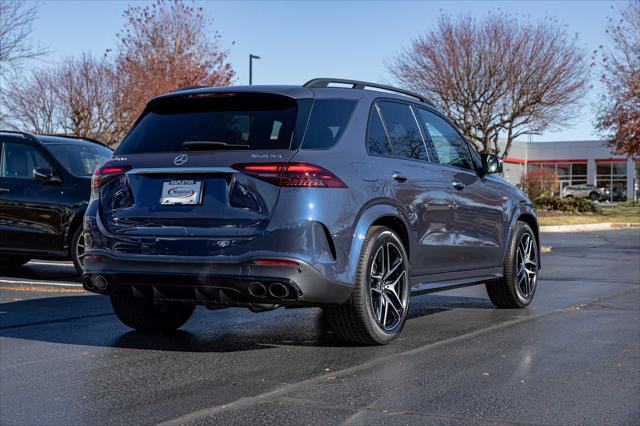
pixel 24 135
pixel 356 84
pixel 62 135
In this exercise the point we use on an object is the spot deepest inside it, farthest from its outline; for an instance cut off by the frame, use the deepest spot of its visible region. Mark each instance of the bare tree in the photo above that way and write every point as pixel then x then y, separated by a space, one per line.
pixel 163 47
pixel 619 111
pixel 74 97
pixel 16 20
pixel 85 95
pixel 33 104
pixel 498 77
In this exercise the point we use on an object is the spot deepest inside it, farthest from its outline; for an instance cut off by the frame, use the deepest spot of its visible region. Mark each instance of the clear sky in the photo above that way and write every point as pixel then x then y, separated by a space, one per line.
pixel 301 40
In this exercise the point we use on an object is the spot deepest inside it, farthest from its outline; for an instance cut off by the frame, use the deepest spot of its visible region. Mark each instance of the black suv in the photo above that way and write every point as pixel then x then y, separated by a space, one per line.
pixel 45 185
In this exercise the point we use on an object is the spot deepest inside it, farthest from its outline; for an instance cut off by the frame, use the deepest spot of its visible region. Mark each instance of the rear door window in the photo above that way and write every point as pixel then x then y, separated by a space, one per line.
pixel 328 120
pixel 229 121
pixel 403 131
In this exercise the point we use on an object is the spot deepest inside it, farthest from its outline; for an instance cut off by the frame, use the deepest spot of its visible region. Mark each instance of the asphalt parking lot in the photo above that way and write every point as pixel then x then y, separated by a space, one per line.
pixel 573 357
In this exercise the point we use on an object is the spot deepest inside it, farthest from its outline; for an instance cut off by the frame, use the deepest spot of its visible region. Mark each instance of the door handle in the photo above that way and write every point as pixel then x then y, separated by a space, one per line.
pixel 399 177
pixel 3 189
pixel 458 185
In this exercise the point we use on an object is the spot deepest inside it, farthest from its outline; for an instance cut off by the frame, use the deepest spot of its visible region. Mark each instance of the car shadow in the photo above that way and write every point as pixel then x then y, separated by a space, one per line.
pixel 89 321
pixel 43 270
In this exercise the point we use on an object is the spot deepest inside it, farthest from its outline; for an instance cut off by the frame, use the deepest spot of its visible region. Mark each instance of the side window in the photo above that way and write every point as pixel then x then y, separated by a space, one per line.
pixel 19 160
pixel 451 149
pixel 328 120
pixel 377 142
pixel 403 131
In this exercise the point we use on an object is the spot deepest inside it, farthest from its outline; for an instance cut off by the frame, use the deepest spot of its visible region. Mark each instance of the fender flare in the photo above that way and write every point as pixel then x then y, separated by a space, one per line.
pixel 366 219
pixel 75 220
pixel 523 209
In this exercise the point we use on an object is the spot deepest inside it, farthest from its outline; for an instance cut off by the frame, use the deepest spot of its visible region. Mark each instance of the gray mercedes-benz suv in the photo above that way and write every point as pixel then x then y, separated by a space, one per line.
pixel 339 197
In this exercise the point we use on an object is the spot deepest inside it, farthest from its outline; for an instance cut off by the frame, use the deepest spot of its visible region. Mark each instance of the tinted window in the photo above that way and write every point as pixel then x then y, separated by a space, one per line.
pixel 449 147
pixel 377 142
pixel 19 160
pixel 327 122
pixel 247 122
pixel 79 159
pixel 403 131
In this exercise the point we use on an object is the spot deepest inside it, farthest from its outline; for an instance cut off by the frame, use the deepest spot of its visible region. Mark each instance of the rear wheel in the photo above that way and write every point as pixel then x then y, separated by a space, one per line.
pixel 145 315
pixel 518 285
pixel 377 309
pixel 13 261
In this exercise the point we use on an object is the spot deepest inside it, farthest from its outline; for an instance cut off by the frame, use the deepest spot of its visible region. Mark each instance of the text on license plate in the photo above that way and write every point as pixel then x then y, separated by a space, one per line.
pixel 181 192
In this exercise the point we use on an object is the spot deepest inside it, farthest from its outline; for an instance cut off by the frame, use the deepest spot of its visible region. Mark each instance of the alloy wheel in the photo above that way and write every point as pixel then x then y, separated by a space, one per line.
pixel 389 286
pixel 527 266
pixel 80 250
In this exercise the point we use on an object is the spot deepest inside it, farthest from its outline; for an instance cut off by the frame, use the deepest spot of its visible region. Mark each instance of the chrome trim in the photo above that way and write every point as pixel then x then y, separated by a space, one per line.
pixel 163 170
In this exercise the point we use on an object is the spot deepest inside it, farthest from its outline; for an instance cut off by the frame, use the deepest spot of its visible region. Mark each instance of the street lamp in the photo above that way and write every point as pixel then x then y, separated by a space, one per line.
pixel 251 58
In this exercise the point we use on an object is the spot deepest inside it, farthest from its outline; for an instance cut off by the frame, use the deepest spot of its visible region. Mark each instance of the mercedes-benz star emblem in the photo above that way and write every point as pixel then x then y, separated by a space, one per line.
pixel 180 159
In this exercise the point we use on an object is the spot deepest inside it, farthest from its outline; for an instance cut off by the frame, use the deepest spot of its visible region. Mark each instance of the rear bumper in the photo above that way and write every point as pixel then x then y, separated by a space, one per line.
pixel 212 282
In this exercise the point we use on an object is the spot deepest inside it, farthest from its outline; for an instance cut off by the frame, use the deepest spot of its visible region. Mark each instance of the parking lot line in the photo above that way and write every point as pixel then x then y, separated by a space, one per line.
pixel 43 262
pixel 45 283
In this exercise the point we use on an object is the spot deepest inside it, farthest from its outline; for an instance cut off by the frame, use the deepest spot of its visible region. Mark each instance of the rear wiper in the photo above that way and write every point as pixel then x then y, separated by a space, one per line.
pixel 210 145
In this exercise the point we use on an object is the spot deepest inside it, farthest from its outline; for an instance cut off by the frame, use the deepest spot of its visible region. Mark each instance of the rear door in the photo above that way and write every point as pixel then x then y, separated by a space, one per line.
pixel 193 162
pixel 480 211
pixel 31 215
pixel 415 181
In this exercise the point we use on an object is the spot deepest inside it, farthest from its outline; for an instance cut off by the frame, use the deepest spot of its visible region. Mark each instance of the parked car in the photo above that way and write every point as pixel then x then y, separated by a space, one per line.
pixel 44 191
pixel 592 192
pixel 346 198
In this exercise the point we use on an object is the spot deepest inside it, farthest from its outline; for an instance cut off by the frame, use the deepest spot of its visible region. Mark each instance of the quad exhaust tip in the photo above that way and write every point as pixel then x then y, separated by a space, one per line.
pixel 278 290
pixel 97 282
pixel 257 289
pixel 274 290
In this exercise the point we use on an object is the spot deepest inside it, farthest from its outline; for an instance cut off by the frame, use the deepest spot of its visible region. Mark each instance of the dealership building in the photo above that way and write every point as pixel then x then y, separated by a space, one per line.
pixel 577 162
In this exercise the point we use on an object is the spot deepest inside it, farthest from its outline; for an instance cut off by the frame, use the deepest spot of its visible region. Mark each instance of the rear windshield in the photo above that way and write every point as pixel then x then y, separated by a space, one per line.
pixel 219 121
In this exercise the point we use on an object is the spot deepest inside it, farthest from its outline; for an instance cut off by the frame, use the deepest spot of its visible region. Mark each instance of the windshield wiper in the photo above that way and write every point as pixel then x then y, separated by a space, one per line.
pixel 210 145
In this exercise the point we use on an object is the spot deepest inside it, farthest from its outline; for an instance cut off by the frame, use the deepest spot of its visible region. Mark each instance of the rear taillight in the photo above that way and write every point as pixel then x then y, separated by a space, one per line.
pixel 105 174
pixel 292 175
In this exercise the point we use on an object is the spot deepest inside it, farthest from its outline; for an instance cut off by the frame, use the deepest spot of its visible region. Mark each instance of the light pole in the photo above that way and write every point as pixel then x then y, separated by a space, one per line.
pixel 251 58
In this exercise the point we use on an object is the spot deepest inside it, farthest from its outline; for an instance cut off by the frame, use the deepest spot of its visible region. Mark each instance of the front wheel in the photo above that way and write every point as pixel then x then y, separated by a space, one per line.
pixel 377 309
pixel 77 250
pixel 518 285
pixel 145 315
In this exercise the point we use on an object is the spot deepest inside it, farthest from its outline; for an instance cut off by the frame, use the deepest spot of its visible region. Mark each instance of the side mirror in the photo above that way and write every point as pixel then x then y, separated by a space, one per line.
pixel 491 164
pixel 46 175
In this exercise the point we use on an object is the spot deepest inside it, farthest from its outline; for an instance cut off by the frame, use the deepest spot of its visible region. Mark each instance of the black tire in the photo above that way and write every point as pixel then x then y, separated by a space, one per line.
pixel 568 196
pixel 358 320
pixel 594 196
pixel 10 262
pixel 145 315
pixel 77 239
pixel 517 287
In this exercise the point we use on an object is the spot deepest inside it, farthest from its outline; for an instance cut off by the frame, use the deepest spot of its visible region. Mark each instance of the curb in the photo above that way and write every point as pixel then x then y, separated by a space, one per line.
pixel 605 226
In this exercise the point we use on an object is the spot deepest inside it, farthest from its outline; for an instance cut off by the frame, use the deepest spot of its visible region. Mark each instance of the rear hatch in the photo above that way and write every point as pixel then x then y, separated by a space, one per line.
pixel 182 170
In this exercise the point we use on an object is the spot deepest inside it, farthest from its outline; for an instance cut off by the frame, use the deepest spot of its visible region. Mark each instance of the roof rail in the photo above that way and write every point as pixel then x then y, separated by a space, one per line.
pixel 356 84
pixel 62 135
pixel 24 135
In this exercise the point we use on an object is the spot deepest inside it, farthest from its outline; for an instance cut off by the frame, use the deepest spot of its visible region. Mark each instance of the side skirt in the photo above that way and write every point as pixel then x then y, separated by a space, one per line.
pixel 424 284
